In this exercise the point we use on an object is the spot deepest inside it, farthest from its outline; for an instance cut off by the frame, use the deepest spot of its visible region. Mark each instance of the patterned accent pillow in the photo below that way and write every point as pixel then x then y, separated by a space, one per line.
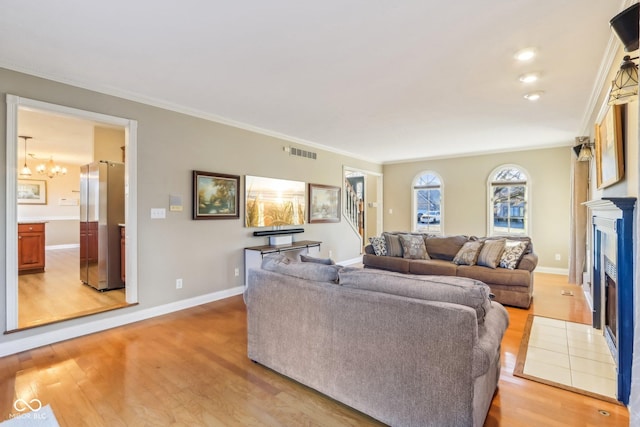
pixel 468 253
pixel 394 247
pixel 413 247
pixel 491 253
pixel 379 245
pixel 513 251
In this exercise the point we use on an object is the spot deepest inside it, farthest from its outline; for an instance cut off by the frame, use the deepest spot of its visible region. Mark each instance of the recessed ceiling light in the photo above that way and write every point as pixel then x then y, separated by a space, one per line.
pixel 525 54
pixel 533 96
pixel 529 77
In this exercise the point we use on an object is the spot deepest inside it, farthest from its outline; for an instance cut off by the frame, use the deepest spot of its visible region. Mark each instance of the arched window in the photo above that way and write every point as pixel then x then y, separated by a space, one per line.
pixel 428 203
pixel 508 201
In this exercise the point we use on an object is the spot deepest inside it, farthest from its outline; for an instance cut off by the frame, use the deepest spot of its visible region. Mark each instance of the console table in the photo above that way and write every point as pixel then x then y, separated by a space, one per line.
pixel 253 255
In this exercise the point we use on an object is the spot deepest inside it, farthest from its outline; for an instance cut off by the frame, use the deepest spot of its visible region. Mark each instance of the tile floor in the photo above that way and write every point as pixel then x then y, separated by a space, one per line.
pixel 571 354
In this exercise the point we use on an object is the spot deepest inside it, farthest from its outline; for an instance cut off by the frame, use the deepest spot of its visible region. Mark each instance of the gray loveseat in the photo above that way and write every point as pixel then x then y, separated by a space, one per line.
pixel 511 286
pixel 406 350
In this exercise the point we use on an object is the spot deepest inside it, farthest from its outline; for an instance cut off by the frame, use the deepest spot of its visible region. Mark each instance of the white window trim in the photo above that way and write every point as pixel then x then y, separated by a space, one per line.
pixel 528 198
pixel 414 202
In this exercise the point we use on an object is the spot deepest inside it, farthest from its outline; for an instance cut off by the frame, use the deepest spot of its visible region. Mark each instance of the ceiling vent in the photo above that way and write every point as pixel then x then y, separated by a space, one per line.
pixel 293 151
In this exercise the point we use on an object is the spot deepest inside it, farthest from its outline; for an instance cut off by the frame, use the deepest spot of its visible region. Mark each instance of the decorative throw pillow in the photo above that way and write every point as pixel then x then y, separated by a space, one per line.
pixel 468 253
pixel 394 247
pixel 325 261
pixel 491 253
pixel 513 251
pixel 379 245
pixel 413 247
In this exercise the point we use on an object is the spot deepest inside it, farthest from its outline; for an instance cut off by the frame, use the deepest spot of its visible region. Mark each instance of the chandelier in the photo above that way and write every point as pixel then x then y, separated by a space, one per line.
pixel 25 171
pixel 50 169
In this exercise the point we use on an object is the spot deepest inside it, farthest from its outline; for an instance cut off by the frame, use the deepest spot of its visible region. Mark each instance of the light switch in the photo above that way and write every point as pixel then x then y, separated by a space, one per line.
pixel 158 213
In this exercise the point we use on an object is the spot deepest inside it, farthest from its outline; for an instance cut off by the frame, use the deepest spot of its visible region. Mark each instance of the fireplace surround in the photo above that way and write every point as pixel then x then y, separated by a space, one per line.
pixel 612 281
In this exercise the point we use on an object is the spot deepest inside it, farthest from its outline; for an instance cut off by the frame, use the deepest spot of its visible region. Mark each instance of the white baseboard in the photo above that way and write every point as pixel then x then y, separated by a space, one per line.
pixel 351 261
pixel 550 270
pixel 67 246
pixel 65 333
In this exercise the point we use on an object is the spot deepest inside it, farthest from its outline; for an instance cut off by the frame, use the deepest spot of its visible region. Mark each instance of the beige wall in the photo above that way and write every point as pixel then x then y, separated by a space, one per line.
pixel 465 196
pixel 170 146
pixel 108 144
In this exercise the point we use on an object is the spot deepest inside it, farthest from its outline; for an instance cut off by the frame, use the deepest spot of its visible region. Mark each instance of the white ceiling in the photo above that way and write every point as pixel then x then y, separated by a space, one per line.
pixel 381 80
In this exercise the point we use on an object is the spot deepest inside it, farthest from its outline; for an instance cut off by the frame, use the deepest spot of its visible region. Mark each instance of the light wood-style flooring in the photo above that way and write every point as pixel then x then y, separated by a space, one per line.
pixel 58 293
pixel 190 368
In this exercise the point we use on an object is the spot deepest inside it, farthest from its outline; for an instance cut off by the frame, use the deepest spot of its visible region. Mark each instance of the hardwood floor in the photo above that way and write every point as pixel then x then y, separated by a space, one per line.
pixel 190 368
pixel 58 293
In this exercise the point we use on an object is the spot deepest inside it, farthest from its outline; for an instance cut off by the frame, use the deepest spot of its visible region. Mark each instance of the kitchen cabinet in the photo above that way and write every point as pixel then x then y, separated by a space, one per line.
pixel 31 241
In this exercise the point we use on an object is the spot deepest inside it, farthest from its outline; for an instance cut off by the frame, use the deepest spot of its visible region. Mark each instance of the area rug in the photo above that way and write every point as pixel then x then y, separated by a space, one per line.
pixel 40 417
pixel 519 369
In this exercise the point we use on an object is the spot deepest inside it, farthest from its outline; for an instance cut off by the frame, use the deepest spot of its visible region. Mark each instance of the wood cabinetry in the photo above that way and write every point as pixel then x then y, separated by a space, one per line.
pixel 31 247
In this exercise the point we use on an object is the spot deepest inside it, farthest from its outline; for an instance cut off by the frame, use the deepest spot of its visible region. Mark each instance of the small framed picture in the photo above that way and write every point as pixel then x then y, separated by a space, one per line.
pixel 32 192
pixel 324 203
pixel 215 196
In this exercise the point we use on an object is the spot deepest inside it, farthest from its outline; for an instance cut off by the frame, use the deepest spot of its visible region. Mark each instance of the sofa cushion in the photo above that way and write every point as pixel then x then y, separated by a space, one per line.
pixel 497 276
pixel 456 290
pixel 434 267
pixel 413 247
pixel 390 263
pixel 513 251
pixel 491 253
pixel 325 261
pixel 379 245
pixel 468 253
pixel 444 248
pixel 394 247
pixel 280 263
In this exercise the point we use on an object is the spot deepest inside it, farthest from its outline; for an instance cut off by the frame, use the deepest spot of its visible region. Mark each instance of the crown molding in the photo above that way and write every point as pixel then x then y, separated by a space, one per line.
pixel 613 47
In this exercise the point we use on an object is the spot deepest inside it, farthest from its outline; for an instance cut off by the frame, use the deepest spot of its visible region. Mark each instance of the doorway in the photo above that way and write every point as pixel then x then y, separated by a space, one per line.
pixel 365 187
pixel 70 137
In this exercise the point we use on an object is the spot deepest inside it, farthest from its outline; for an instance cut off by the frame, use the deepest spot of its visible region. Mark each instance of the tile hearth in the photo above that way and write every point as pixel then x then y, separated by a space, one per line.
pixel 571 354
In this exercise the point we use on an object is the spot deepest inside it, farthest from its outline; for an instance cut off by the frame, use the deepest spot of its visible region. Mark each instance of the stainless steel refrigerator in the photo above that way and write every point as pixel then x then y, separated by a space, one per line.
pixel 101 212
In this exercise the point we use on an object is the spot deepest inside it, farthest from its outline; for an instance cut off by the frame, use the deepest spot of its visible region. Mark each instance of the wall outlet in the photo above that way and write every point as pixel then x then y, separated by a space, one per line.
pixel 178 283
pixel 390 211
pixel 236 272
pixel 558 257
pixel 330 253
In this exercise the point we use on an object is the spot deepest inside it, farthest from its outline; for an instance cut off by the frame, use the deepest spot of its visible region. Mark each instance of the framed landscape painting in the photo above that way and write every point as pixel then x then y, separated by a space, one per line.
pixel 32 192
pixel 324 203
pixel 215 196
pixel 609 148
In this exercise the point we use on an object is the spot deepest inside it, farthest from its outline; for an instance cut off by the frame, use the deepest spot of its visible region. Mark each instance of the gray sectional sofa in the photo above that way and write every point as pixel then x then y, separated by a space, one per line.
pixel 406 350
pixel 511 286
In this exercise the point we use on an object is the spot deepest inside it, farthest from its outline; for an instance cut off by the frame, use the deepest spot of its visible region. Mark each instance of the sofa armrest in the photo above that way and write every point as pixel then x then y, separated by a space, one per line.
pixel 369 250
pixel 528 262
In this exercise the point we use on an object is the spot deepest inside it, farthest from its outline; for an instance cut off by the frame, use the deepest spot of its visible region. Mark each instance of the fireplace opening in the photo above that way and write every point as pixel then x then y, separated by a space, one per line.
pixel 611 303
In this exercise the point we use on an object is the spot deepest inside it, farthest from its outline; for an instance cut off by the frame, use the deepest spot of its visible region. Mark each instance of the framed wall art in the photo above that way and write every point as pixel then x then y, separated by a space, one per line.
pixel 609 148
pixel 324 203
pixel 32 192
pixel 273 202
pixel 215 196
